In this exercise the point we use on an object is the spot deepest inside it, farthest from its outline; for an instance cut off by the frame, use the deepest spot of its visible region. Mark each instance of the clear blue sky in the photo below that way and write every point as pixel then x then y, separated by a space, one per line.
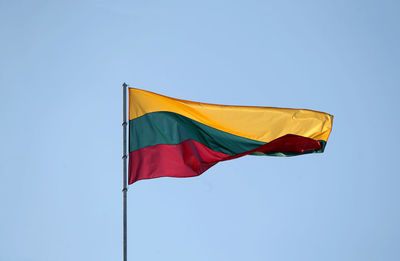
pixel 61 69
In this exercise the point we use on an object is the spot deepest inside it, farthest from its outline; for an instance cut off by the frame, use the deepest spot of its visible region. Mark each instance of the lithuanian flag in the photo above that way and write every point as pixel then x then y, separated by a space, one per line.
pixel 177 138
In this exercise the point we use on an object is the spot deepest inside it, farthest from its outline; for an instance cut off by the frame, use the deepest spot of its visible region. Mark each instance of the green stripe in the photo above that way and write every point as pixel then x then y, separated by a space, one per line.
pixel 172 128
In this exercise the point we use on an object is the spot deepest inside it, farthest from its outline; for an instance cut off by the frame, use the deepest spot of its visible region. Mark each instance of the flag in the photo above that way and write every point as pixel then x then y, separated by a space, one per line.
pixel 171 137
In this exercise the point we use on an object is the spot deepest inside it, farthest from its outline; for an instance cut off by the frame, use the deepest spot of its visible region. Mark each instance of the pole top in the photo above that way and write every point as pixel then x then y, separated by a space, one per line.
pixel 124 85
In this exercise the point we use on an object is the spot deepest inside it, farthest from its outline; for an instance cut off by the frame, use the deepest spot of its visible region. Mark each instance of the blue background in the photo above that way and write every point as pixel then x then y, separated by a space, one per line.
pixel 61 69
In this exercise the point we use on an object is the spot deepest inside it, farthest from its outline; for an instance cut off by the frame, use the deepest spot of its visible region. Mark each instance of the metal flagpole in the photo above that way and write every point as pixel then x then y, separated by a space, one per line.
pixel 124 175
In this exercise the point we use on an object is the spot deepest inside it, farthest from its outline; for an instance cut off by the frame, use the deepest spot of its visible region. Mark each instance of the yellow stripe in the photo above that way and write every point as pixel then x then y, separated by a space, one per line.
pixel 257 123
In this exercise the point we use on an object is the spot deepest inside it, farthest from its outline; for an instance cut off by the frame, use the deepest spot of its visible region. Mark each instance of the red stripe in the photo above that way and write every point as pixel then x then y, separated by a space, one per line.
pixel 191 158
pixel 187 159
pixel 289 143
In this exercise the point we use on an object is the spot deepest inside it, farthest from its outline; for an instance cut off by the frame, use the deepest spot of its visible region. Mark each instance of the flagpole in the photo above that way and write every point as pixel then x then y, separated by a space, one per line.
pixel 124 175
